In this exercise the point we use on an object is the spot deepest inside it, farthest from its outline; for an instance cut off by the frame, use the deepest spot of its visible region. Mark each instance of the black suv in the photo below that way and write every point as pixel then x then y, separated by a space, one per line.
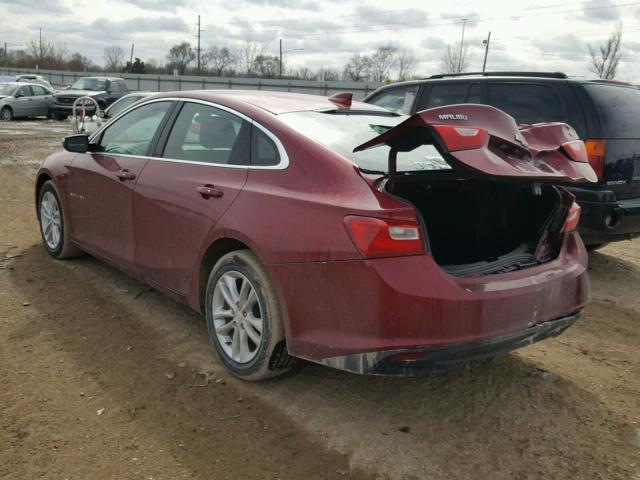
pixel 606 115
pixel 104 90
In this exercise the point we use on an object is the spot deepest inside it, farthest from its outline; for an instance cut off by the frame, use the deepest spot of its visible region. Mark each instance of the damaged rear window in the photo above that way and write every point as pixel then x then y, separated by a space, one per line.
pixel 344 132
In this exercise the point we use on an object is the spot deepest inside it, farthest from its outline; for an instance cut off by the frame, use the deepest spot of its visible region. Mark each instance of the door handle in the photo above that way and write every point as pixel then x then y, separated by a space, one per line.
pixel 208 191
pixel 125 175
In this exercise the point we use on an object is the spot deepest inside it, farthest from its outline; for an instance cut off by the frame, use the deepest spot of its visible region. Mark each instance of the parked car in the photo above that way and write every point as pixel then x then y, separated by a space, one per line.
pixel 21 100
pixel 30 78
pixel 605 114
pixel 274 215
pixel 104 90
pixel 120 106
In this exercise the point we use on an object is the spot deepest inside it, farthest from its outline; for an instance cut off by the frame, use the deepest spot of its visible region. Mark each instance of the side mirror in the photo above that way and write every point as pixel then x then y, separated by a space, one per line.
pixel 76 143
pixel 18 95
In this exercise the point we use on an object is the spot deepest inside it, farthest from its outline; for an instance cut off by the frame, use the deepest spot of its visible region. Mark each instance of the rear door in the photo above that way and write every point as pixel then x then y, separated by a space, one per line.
pixel 617 134
pixel 186 189
pixel 42 100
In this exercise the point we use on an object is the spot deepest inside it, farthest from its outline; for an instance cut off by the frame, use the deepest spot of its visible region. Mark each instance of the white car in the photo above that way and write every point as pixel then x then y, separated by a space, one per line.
pixel 32 78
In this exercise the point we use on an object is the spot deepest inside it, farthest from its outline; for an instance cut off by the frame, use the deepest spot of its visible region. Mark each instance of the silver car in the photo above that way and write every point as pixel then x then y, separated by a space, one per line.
pixel 20 100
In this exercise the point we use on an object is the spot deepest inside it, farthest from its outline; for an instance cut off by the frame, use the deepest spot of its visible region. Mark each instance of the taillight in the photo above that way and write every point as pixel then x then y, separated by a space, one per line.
pixel 576 151
pixel 573 218
pixel 461 138
pixel 376 238
pixel 595 153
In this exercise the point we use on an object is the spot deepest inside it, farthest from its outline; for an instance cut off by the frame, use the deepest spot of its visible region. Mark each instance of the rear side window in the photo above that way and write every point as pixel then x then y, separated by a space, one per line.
pixel 528 103
pixel 617 108
pixel 264 152
pixel 397 99
pixel 447 95
pixel 206 134
pixel 38 91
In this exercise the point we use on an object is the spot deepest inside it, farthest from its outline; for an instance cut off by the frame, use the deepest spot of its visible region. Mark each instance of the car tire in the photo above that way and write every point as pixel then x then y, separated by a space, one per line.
pixel 6 114
pixel 246 330
pixel 54 227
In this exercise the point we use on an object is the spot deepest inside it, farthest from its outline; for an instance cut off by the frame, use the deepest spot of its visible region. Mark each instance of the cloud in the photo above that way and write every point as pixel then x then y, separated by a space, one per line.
pixel 600 11
pixel 159 5
pixel 141 25
pixel 56 7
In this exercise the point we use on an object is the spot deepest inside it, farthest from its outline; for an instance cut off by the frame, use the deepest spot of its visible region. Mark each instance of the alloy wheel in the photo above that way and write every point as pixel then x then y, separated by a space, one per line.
pixel 50 221
pixel 237 317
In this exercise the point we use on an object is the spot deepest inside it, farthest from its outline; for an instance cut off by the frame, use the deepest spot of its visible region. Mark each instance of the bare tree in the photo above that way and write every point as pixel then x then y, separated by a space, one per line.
pixel 218 60
pixel 606 56
pixel 267 66
pixel 382 61
pixel 455 59
pixel 406 62
pixel 304 73
pixel 47 54
pixel 113 58
pixel 330 75
pixel 180 56
pixel 357 69
pixel 246 54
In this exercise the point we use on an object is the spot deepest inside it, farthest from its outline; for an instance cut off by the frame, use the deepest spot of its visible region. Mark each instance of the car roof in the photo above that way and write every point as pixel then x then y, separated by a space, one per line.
pixel 273 102
pixel 102 78
pixel 22 84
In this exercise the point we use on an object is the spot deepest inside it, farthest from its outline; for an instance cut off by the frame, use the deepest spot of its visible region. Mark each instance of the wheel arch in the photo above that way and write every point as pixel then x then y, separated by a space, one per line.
pixel 216 250
pixel 43 177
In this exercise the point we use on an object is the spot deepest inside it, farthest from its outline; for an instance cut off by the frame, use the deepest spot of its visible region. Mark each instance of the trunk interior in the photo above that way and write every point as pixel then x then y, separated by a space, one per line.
pixel 477 227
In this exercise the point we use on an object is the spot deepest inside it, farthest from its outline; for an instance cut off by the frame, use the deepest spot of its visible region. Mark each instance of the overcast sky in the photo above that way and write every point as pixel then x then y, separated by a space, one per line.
pixel 545 35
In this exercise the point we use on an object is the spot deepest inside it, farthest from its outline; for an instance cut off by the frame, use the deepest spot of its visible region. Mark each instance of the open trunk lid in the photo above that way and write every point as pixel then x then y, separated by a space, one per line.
pixel 483 141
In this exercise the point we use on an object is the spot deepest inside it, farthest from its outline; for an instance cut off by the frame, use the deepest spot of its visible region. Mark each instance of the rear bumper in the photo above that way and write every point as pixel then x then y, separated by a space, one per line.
pixel 426 361
pixel 363 307
pixel 606 219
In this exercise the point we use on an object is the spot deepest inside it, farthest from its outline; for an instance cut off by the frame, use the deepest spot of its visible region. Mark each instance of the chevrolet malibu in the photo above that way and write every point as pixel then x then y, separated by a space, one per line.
pixel 331 230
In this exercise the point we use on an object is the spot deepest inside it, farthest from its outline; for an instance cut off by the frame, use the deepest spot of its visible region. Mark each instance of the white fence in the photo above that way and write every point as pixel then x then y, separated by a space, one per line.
pixel 168 83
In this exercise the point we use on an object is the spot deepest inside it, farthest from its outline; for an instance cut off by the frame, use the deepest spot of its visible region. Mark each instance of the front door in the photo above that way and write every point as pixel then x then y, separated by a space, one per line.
pixel 180 197
pixel 108 176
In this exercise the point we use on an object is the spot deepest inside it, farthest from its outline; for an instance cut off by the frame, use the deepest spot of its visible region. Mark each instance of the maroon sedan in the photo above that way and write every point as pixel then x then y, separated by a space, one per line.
pixel 340 233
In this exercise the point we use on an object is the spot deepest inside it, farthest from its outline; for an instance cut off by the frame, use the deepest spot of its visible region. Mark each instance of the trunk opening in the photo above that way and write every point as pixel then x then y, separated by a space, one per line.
pixel 479 227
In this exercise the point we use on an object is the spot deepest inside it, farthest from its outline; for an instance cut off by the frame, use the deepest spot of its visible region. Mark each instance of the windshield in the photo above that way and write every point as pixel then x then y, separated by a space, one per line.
pixel 343 132
pixel 618 109
pixel 94 84
pixel 120 105
pixel 6 89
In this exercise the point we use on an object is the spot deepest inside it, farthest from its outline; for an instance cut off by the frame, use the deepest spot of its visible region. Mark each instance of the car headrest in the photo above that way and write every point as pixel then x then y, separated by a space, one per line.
pixel 216 132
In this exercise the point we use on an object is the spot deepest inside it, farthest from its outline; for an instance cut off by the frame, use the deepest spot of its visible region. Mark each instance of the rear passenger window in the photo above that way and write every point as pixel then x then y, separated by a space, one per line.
pixel 528 103
pixel 207 134
pixel 397 99
pixel 264 152
pixel 447 95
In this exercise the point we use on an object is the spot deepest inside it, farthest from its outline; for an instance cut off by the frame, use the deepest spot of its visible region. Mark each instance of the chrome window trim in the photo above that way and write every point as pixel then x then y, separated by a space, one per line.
pixel 284 158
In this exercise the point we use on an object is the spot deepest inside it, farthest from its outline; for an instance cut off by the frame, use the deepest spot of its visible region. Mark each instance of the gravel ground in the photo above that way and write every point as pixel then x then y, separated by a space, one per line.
pixel 103 378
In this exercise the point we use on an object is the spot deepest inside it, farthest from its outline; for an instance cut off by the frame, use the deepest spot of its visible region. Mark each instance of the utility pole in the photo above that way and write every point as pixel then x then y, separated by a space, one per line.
pixel 280 65
pixel 464 23
pixel 486 50
pixel 131 59
pixel 198 44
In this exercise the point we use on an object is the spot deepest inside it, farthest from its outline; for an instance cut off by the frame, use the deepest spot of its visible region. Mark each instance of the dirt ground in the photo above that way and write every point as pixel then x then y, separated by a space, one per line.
pixel 102 378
